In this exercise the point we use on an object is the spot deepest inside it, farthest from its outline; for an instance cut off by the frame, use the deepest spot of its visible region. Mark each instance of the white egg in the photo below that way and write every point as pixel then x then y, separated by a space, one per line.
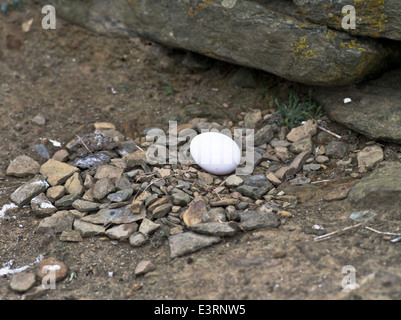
pixel 215 152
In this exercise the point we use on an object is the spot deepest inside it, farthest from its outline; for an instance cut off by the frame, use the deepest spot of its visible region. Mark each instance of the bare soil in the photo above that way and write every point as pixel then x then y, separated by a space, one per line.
pixel 76 78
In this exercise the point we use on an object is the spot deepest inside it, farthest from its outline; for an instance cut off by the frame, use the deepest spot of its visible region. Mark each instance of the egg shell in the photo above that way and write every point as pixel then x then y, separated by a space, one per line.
pixel 215 152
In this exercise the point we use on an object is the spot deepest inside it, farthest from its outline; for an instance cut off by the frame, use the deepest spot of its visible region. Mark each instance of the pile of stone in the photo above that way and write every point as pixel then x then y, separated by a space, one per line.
pixel 100 184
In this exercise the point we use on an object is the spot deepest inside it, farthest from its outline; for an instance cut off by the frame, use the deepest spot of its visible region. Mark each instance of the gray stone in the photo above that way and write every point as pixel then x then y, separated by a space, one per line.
pixel 87 229
pixel 255 187
pixel 116 216
pixel 215 228
pixel 122 231
pixel 122 183
pixel 137 239
pixel 301 145
pixel 147 227
pixel 91 160
pixel 244 78
pixel 102 188
pixel 144 267
pixel 373 18
pixel 337 149
pixel 56 223
pixel 108 171
pixel 41 150
pixel 187 242
pixel 57 172
pixel 42 207
pixel 299 181
pixel 263 135
pixel 362 114
pixel 214 215
pixel 369 156
pixel 252 118
pixel 71 236
pixel 252 220
pixel 241 32
pixel 379 191
pixel 312 167
pixel 22 282
pixel 135 159
pixel 23 166
pixel 85 206
pixel 233 181
pixel 120 195
pixel 24 194
pixel 66 201
pixel 180 199
pixel 362 216
pixel 161 210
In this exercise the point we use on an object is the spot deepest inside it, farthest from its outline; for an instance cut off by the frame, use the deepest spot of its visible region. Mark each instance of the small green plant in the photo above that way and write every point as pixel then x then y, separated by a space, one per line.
pixel 127 87
pixel 298 110
pixel 169 91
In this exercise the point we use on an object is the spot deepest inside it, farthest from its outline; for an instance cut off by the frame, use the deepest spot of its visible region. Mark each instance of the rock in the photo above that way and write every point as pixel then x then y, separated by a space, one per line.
pixel 282 154
pixel 85 206
pixel 337 149
pixel 74 185
pixel 252 220
pixel 91 160
pixel 233 181
pixel 215 228
pixel 147 227
pixel 87 229
pixel 263 135
pixel 161 210
pixel 255 187
pixel 51 266
pixel 135 159
pixel 273 179
pixel 122 231
pixel 180 199
pixel 369 157
pixel 279 143
pixel 376 19
pixel 24 194
pixel 378 191
pixel 55 193
pixel 311 167
pixel 214 215
pixel 120 195
pixel 157 203
pixel 34 293
pixel 163 173
pixel 193 215
pixel 57 172
pixel 224 202
pixel 108 171
pixel 299 181
pixel 104 125
pixel 137 239
pixel 56 223
pixel 100 140
pixel 22 282
pixel 294 167
pixel 362 114
pixel 144 267
pixel 362 216
pixel 337 195
pixel 41 206
pixel 322 159
pixel 102 188
pixel 301 145
pixel 205 177
pixel 151 199
pixel 23 166
pixel 252 118
pixel 188 242
pixel 305 131
pixel 39 120
pixel 66 201
pixel 61 155
pixel 71 236
pixel 305 52
pixel 115 216
pixel 41 150
pixel 244 78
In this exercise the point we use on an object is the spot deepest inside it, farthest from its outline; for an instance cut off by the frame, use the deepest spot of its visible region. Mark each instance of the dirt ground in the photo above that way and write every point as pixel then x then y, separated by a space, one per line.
pixel 75 78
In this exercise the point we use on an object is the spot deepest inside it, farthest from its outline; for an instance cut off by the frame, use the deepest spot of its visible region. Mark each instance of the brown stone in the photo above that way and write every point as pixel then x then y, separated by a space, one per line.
pixel 193 215
pixel 51 266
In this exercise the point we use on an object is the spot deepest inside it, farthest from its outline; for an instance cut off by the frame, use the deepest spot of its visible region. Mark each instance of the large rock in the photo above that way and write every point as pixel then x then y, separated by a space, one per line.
pixel 272 36
pixel 374 110
pixel 379 191
pixel 374 18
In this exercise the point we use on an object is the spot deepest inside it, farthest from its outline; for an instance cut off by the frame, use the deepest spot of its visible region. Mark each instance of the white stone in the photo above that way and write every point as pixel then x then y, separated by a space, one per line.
pixel 215 153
